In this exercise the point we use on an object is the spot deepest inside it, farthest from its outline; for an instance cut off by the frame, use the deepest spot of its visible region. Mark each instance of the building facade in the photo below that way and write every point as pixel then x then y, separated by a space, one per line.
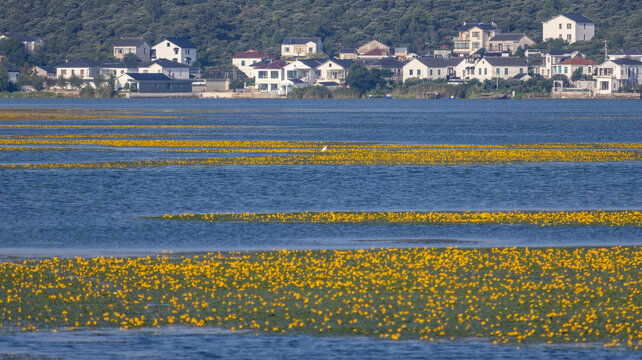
pixel 568 27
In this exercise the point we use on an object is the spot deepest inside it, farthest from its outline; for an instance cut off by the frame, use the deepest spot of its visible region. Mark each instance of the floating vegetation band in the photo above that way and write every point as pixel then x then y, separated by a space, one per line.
pixel 591 296
pixel 538 218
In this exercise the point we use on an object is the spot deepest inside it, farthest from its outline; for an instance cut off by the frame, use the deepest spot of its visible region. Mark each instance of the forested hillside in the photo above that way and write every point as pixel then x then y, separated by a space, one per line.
pixel 221 28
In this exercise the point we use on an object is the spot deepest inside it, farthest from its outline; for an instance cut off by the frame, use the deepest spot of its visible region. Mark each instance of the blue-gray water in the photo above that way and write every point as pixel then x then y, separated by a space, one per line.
pixel 93 212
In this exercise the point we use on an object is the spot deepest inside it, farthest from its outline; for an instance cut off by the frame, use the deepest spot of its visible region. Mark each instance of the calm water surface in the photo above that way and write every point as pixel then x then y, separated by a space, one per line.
pixel 96 212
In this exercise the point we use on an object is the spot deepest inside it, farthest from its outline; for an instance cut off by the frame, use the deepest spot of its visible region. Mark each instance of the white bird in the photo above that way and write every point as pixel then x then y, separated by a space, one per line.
pixel 324 148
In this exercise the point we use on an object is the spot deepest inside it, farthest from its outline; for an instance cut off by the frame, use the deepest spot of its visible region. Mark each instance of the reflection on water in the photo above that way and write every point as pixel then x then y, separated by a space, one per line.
pixel 216 344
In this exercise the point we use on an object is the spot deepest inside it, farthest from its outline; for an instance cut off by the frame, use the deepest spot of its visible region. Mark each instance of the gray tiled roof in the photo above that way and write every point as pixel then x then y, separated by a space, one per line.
pixel 505 61
pixel 79 63
pixel 149 77
pixel 433 62
pixel 627 61
pixel 300 40
pixel 507 37
pixel 181 42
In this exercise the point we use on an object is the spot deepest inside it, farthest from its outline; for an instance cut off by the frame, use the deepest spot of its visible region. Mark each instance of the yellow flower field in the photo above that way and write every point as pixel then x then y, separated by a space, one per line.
pixel 507 295
pixel 539 218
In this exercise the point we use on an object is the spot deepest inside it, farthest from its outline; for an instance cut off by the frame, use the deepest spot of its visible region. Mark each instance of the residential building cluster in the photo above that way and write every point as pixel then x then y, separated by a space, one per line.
pixel 480 51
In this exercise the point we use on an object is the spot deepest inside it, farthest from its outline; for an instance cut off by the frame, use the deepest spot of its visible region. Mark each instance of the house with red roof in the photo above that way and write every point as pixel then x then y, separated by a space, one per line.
pixel 244 61
pixel 567 67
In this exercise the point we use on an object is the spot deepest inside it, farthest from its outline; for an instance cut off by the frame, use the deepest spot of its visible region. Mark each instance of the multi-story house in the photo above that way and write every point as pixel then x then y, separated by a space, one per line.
pixel 175 49
pixel 553 58
pixel 334 70
pixel 302 71
pixel 117 68
pixel 625 72
pixel 244 61
pixel 425 68
pixel 268 76
pixel 473 37
pixel 490 68
pixel 31 43
pixel 172 69
pixel 568 27
pixel 135 46
pixel 568 67
pixel 85 69
pixel 634 53
pixel 509 42
pixel 297 47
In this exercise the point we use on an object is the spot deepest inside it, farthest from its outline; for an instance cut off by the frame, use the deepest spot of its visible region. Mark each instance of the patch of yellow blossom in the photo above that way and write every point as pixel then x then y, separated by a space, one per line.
pixel 539 218
pixel 504 295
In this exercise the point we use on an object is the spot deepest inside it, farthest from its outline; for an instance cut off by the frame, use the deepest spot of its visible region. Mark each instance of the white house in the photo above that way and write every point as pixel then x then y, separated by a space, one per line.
pixel 302 70
pixel 31 43
pixel 334 70
pixel 473 37
pixel 117 68
pixel 172 69
pixel 293 47
pixel 44 71
pixel 85 69
pixel 135 46
pixel 568 27
pixel 567 67
pixel 552 58
pixel 626 72
pixel 425 68
pixel 12 70
pixel 348 54
pixel 489 68
pixel 175 49
pixel 244 61
pixel 268 76
pixel 509 42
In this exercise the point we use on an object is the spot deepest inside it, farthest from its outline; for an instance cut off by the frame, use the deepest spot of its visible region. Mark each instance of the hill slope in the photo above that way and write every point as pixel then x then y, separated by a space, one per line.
pixel 223 27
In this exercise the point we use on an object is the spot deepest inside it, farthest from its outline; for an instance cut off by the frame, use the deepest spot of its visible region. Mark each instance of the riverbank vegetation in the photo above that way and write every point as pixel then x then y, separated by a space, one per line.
pixel 509 295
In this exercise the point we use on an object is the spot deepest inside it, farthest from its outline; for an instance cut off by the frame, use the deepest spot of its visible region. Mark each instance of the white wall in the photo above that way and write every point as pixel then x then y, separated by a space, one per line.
pixel 168 50
pixel 569 30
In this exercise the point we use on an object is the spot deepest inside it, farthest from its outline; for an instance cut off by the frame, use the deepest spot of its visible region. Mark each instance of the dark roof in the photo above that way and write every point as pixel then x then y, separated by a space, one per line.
pixel 22 37
pixel 297 81
pixel 348 51
pixel 165 63
pixel 129 42
pixel 124 64
pixel 181 42
pixel 519 76
pixel 506 61
pixel 633 51
pixel 507 37
pixel 385 63
pixel 313 63
pixel 468 26
pixel 627 61
pixel 454 61
pixel 8 66
pixel 433 62
pixel 300 40
pixel 561 52
pixel 48 69
pixel 376 52
pixel 276 64
pixel 149 77
pixel 345 63
pixel 578 18
pixel 253 54
pixel 79 63
pixel 329 83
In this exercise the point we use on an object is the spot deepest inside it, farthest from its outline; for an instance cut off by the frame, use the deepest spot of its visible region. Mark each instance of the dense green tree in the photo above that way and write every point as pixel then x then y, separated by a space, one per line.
pixel 362 80
pixel 34 81
pixel 14 51
pixel 75 81
pixel 4 79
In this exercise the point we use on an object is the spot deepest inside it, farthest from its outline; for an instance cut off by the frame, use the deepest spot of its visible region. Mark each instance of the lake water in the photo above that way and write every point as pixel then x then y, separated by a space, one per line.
pixel 97 212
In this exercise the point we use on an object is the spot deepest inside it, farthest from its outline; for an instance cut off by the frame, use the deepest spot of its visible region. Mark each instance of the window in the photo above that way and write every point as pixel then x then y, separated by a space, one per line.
pixel 505 71
pixel 568 37
pixel 485 71
pixel 499 71
pixel 63 72
pixel 287 50
pixel 560 26
pixel 72 72
pixel 410 72
pixel 168 44
pixel 521 70
pixel 175 51
pixel 561 36
pixel 187 51
pixel 242 62
pixel 476 35
pixel 263 74
pixel 438 72
pixel 418 72
pixel 480 71
pixel 310 49
pixel 475 45
pixel 274 74
pixel 565 69
pixel 263 87
pixel 274 87
pixel 569 26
